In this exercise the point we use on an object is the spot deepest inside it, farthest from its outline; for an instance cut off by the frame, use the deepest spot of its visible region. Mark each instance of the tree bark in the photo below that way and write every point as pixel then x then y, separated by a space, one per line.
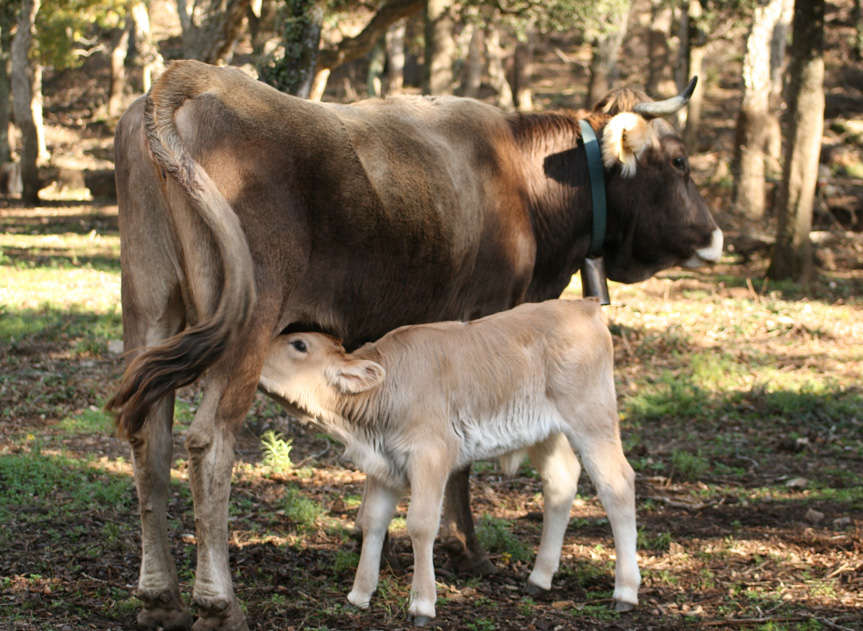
pixel 748 163
pixel 496 73
pixel 5 87
pixel 356 47
pixel 474 65
pixel 440 47
pixel 146 53
pixel 291 69
pixel 377 60
pixel 212 28
pixel 658 50
pixel 778 66
pixel 792 254
pixel 395 44
pixel 692 60
pixel 22 92
pixel 523 73
pixel 606 52
pixel 119 51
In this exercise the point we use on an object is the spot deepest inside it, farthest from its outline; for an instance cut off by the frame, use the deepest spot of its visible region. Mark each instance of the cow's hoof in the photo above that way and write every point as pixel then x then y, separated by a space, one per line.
pixel 421 621
pixel 163 611
pixel 623 607
pixel 533 589
pixel 215 615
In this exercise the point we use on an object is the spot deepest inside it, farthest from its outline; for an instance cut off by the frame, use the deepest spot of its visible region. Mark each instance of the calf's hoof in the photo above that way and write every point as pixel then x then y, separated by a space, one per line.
pixel 163 611
pixel 533 589
pixel 219 615
pixel 623 607
pixel 359 600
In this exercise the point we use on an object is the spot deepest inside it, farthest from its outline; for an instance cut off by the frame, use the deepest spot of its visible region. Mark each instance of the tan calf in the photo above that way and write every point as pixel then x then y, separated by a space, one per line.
pixel 427 400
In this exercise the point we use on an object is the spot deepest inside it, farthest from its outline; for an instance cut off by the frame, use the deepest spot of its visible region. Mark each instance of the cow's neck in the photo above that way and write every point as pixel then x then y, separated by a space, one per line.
pixel 558 192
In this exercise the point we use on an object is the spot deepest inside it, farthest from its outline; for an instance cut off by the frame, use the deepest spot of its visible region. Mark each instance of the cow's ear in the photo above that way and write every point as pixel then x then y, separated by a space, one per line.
pixel 624 139
pixel 355 376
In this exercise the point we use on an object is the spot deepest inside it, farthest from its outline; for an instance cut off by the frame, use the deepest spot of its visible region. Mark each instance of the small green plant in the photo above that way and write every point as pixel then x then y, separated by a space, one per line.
pixel 687 466
pixel 496 536
pixel 277 452
pixel 300 509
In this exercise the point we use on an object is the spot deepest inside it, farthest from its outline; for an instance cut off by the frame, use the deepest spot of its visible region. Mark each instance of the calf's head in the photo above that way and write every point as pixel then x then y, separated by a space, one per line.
pixel 656 216
pixel 312 370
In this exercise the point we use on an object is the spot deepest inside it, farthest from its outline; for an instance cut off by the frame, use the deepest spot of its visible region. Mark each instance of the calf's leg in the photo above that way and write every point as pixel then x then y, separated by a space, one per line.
pixel 559 470
pixel 377 511
pixel 614 480
pixel 428 473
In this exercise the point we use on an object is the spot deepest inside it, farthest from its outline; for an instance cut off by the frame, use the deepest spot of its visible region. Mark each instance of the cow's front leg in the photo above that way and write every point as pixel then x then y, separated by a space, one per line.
pixel 458 533
pixel 378 505
pixel 210 441
pixel 158 588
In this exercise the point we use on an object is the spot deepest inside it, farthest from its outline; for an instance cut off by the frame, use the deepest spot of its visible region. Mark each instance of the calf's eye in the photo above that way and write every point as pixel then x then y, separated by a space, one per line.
pixel 300 345
pixel 679 163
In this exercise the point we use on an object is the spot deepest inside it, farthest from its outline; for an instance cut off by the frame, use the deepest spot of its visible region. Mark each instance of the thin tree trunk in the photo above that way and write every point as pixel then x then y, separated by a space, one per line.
pixel 693 62
pixel 792 254
pixel 5 93
pixel 778 66
pixel 659 54
pixel 22 92
pixel 147 54
pixel 212 28
pixel 496 73
pixel 292 71
pixel 523 72
pixel 377 60
pixel 474 66
pixel 118 70
pixel 606 52
pixel 752 120
pixel 395 43
pixel 440 47
pixel 857 18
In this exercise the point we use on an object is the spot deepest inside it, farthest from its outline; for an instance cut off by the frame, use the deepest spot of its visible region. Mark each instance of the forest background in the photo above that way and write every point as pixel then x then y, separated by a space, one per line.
pixel 739 384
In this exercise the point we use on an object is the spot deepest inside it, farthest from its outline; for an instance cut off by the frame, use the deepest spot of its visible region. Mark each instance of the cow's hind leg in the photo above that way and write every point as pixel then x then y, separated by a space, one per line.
pixel 458 533
pixel 559 470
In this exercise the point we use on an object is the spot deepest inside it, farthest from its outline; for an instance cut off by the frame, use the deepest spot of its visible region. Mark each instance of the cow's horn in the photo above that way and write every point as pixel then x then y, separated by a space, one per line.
pixel 655 109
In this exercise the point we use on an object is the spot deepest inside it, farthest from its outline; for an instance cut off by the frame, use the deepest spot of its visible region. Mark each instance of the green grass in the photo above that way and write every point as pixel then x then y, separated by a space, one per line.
pixel 495 534
pixel 277 452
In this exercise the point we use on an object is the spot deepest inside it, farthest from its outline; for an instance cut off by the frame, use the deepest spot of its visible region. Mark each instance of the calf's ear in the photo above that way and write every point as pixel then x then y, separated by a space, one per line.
pixel 355 376
pixel 624 139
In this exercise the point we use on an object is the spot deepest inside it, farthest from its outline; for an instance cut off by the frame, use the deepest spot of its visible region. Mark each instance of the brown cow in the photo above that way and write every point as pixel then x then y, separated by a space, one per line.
pixel 244 211
pixel 428 399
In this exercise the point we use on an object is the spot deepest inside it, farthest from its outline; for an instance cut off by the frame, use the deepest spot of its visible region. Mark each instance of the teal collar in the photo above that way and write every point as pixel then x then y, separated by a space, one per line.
pixel 597 188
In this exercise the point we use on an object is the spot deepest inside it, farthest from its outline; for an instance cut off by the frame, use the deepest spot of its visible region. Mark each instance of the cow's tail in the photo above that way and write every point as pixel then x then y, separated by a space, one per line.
pixel 184 357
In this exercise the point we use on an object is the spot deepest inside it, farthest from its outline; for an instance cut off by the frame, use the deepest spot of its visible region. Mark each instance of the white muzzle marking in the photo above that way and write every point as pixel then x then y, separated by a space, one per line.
pixel 710 254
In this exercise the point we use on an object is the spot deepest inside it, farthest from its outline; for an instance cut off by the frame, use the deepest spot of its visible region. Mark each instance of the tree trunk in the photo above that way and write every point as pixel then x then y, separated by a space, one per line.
pixel 440 47
pixel 496 73
pixel 523 72
pixel 119 51
pixel 5 89
pixel 146 53
pixel 692 61
pixel 212 29
pixel 658 50
pixel 857 18
pixel 22 92
pixel 778 66
pixel 395 44
pixel 377 59
pixel 753 118
pixel 292 71
pixel 474 65
pixel 356 47
pixel 606 52
pixel 792 254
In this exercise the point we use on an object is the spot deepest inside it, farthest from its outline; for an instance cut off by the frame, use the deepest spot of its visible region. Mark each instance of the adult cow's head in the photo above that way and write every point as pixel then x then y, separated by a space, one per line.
pixel 657 218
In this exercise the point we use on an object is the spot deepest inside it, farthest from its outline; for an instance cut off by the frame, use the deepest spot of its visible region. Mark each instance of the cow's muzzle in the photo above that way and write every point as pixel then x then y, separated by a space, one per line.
pixel 709 254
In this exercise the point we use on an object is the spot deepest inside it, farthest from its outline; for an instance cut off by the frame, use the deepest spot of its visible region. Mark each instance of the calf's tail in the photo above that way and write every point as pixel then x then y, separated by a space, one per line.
pixel 181 359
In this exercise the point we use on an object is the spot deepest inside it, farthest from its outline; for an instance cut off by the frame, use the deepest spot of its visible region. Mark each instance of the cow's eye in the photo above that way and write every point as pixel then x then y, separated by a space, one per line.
pixel 300 345
pixel 679 163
